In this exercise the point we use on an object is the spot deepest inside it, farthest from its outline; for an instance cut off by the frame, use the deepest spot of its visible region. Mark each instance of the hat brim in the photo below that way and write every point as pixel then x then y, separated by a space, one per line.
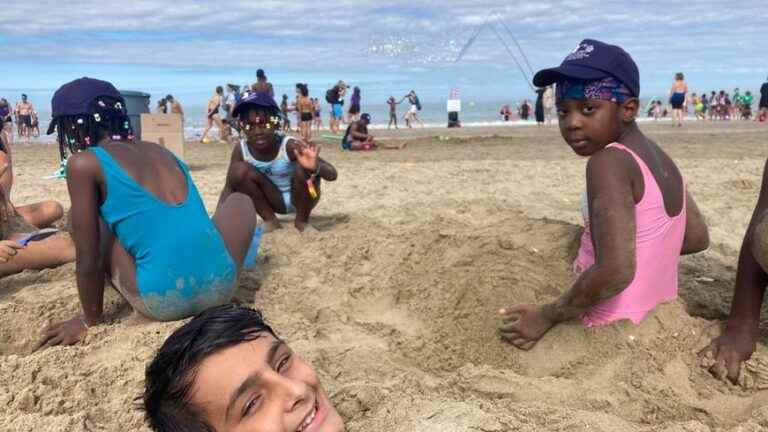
pixel 239 108
pixel 546 77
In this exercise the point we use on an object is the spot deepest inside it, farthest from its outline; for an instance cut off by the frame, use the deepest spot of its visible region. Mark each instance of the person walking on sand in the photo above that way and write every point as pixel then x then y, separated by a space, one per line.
pixel 392 111
pixel 677 96
pixel 23 113
pixel 354 105
pixel 213 116
pixel 335 97
pixel 413 111
pixel 305 108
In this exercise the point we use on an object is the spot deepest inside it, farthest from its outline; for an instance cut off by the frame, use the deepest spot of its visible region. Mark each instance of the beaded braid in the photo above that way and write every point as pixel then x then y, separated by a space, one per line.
pixel 78 132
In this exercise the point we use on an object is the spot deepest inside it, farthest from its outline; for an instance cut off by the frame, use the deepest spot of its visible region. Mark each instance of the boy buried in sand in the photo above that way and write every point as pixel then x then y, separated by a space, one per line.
pixel 22 251
pixel 280 174
pixel 640 217
pixel 226 370
pixel 736 344
pixel 138 219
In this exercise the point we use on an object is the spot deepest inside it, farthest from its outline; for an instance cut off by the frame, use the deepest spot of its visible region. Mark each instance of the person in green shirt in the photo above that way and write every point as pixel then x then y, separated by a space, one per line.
pixel 746 105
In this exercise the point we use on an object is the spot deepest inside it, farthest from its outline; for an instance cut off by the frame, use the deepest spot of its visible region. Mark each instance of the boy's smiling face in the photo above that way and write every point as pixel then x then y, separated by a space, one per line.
pixel 261 385
pixel 589 125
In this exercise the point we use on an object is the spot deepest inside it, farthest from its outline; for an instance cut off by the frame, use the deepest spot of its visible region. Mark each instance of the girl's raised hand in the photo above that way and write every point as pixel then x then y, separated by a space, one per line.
pixel 306 155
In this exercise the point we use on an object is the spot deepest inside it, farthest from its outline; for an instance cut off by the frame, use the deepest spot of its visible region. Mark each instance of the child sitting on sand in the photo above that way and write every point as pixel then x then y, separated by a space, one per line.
pixel 21 250
pixel 138 219
pixel 639 216
pixel 738 341
pixel 279 173
pixel 357 137
pixel 227 370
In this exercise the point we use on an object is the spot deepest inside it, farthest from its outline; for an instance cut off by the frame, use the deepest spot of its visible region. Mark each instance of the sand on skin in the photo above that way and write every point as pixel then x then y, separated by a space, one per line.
pixel 393 299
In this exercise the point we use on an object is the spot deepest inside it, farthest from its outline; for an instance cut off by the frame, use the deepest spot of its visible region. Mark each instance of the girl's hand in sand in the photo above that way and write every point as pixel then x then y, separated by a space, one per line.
pixel 8 250
pixel 524 325
pixel 306 156
pixel 724 356
pixel 67 332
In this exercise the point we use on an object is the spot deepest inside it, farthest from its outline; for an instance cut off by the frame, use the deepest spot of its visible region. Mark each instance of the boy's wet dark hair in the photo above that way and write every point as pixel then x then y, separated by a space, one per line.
pixel 170 375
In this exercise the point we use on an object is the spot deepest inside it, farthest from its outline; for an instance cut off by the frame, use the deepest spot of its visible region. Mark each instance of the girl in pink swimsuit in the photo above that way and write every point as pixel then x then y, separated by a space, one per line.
pixel 640 218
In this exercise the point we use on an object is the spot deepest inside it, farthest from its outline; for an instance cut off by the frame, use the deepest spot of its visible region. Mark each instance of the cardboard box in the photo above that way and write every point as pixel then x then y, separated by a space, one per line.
pixel 166 130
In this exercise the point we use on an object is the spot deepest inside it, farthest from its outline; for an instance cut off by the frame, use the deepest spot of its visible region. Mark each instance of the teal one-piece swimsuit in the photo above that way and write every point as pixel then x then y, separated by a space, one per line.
pixel 182 264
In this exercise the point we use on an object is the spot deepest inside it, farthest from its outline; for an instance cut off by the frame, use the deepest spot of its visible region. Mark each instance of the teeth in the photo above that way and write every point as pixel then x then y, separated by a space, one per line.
pixel 308 420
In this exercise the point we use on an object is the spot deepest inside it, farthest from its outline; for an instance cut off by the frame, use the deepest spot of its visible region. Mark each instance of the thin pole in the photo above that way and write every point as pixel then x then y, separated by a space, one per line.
pixel 519 66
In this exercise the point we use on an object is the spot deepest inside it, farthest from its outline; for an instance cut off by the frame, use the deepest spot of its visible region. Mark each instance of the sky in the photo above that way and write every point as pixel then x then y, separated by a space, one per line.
pixel 188 47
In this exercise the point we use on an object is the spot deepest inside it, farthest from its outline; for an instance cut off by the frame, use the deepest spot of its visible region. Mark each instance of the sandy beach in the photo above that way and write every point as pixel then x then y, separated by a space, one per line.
pixel 394 300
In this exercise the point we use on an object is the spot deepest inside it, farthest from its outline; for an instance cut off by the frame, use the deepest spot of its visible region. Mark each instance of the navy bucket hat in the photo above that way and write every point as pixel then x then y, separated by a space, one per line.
pixel 77 98
pixel 256 99
pixel 593 60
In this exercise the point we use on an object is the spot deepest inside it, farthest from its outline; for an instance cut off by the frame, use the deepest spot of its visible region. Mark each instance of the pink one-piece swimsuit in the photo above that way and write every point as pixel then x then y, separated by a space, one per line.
pixel 658 242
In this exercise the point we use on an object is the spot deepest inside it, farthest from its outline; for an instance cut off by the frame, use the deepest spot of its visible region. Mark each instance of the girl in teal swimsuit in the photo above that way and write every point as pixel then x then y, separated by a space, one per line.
pixel 138 219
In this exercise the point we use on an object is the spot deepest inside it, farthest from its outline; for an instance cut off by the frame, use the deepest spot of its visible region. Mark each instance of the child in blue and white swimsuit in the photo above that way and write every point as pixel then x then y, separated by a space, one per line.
pixel 281 174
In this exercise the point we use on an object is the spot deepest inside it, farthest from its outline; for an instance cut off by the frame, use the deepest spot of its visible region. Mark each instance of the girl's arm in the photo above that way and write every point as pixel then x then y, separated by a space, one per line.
pixel 83 171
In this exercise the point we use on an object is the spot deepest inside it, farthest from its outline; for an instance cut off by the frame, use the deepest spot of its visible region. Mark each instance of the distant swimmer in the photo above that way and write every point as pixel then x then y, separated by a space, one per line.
pixel 639 218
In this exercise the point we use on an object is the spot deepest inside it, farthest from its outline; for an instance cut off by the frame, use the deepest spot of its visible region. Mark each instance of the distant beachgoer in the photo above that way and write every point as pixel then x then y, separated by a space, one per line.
pixel 737 103
pixel 677 96
pixel 284 108
pixel 705 106
pixel 392 103
pixel 413 111
pixel 335 97
pixel 305 108
pixel 23 114
pixel 698 106
pixel 21 251
pixel 280 174
pixel 738 339
pixel 6 121
pixel 763 105
pixel 162 106
pixel 138 220
pixel 354 105
pixel 713 106
pixel 636 226
pixel 174 107
pixel 262 85
pixel 226 370
pixel 746 106
pixel 357 137
pixel 505 112
pixel 213 117
pixel 525 110
pixel 539 111
pixel 728 110
pixel 318 119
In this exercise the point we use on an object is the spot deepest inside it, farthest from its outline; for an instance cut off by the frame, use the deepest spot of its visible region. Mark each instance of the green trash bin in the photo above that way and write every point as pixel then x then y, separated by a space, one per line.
pixel 137 103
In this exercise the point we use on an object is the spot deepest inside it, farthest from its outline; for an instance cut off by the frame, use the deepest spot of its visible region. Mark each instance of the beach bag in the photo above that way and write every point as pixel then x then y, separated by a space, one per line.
pixel 331 95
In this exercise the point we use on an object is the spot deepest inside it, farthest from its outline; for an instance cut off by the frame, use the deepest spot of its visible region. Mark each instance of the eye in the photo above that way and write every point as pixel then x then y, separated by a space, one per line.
pixel 588 109
pixel 248 408
pixel 561 112
pixel 284 363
